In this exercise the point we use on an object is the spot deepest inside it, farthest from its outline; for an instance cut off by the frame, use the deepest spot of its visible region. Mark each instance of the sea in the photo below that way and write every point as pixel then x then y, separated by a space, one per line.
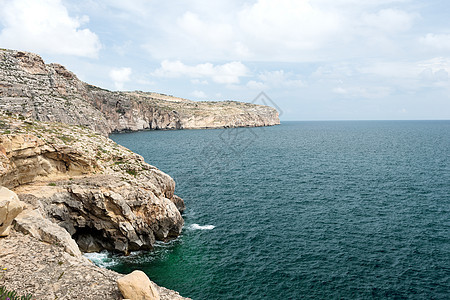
pixel 303 210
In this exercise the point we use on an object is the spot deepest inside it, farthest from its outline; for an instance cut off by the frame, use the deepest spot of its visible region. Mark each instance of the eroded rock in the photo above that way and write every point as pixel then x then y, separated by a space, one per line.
pixel 104 212
pixel 48 272
pixel 33 223
pixel 102 194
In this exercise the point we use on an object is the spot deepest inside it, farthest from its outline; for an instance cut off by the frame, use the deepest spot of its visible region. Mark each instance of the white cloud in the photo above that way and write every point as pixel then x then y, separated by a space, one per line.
pixel 391 69
pixel 367 92
pixel 435 71
pixel 280 78
pixel 228 73
pixel 120 76
pixel 436 63
pixel 199 94
pixel 264 30
pixel 45 26
pixel 284 30
pixel 198 81
pixel 216 34
pixel 379 79
pixel 279 27
pixel 256 85
pixel 200 36
pixel 275 79
pixel 436 68
pixel 134 7
pixel 340 90
pixel 389 20
pixel 437 41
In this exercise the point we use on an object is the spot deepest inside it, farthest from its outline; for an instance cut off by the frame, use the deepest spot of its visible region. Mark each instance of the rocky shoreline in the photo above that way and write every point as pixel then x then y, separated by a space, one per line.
pixel 66 188
pixel 48 272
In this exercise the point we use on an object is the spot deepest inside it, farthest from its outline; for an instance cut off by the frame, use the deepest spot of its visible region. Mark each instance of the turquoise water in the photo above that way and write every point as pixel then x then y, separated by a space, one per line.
pixel 351 210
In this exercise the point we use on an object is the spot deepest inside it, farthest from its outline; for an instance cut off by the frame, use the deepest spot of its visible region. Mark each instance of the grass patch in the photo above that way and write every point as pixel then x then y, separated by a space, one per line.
pixel 132 172
pixel 52 184
pixel 12 295
pixel 66 139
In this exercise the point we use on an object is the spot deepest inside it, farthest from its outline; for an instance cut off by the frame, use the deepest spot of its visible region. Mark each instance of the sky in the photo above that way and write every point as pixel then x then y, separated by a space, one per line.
pixel 315 59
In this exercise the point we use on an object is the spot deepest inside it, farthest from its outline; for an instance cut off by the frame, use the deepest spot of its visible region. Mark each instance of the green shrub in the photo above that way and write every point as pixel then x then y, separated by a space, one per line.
pixel 132 172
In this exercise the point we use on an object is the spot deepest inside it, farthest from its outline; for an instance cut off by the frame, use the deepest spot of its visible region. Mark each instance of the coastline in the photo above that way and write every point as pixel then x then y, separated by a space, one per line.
pixel 78 190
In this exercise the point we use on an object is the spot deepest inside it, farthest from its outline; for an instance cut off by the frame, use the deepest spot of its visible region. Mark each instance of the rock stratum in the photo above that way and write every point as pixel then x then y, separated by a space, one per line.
pixel 49 92
pixel 76 190
pixel 102 194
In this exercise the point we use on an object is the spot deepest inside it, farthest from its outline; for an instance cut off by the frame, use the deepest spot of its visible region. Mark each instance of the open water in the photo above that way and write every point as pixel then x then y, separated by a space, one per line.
pixel 320 210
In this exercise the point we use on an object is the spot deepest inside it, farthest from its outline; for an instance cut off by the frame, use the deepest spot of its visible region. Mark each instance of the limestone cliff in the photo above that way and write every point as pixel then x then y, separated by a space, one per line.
pixel 49 92
pixel 78 191
pixel 78 185
pixel 104 195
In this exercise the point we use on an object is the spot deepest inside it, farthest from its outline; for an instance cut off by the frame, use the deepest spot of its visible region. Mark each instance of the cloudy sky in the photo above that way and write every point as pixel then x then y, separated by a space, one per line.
pixel 316 59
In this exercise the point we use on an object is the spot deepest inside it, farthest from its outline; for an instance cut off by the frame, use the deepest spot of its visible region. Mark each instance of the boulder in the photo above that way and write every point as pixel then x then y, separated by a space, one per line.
pixel 137 286
pixel 10 207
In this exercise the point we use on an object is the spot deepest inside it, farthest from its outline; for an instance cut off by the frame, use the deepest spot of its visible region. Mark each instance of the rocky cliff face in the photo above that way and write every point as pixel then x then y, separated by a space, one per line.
pixel 78 190
pixel 49 92
pixel 45 92
pixel 104 195
pixel 78 185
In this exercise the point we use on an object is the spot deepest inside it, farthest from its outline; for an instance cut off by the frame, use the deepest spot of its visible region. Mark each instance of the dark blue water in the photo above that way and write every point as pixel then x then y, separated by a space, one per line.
pixel 351 210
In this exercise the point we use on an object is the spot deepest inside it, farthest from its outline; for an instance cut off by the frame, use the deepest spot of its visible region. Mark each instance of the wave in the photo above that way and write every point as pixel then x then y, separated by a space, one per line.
pixel 201 227
pixel 102 259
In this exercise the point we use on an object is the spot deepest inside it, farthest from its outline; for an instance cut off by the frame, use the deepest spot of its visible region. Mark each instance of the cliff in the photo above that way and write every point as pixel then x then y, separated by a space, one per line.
pixel 79 191
pixel 49 92
pixel 104 195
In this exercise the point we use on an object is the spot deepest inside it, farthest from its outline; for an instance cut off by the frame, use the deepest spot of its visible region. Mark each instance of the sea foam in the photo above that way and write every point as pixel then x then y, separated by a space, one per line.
pixel 102 259
pixel 201 227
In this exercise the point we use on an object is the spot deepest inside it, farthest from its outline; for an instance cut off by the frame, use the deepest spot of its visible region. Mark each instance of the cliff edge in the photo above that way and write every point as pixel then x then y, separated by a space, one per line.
pixel 49 92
